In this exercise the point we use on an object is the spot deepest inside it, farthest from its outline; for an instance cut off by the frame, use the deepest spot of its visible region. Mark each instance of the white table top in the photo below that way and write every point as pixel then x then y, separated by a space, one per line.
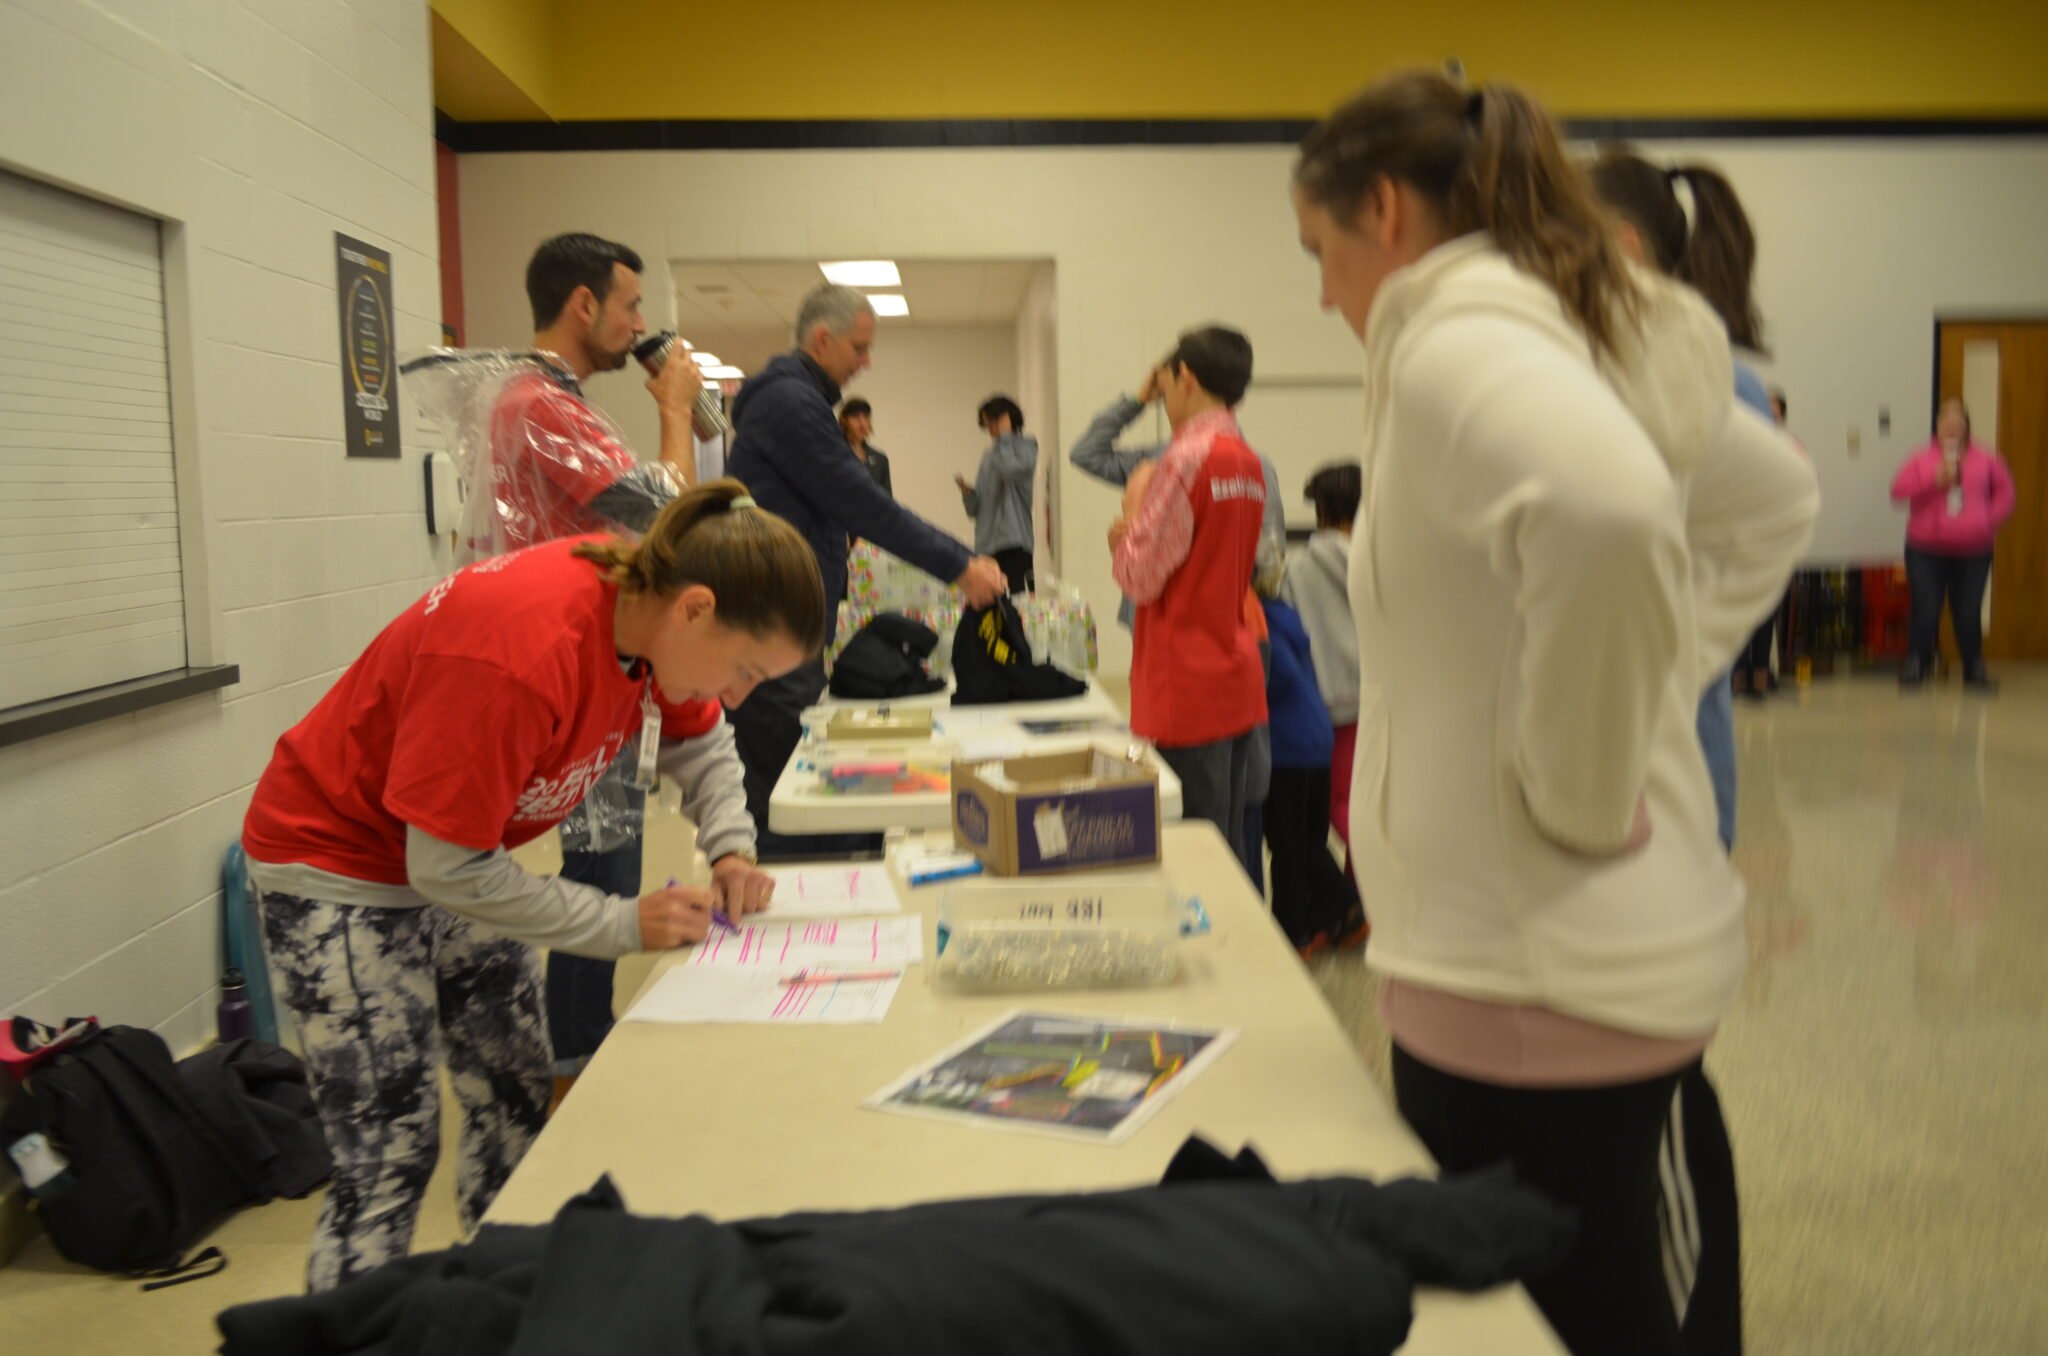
pixel 742 1121
pixel 1092 704
pixel 799 804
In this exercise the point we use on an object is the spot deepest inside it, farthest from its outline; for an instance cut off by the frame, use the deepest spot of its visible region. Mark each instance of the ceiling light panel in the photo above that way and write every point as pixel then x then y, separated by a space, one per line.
pixel 863 273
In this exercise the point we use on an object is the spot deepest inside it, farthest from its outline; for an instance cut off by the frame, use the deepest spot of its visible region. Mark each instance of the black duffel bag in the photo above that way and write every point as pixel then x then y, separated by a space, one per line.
pixel 886 659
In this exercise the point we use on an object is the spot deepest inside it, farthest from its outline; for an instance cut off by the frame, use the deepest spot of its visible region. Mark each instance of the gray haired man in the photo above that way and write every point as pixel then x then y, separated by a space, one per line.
pixel 788 450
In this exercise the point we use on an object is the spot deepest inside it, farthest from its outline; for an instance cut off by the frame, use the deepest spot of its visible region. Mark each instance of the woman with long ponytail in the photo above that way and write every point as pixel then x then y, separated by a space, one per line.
pixel 1712 249
pixel 402 933
pixel 1565 527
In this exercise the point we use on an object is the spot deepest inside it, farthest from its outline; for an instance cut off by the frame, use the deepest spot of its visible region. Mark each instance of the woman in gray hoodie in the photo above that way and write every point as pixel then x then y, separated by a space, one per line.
pixel 999 500
pixel 1316 586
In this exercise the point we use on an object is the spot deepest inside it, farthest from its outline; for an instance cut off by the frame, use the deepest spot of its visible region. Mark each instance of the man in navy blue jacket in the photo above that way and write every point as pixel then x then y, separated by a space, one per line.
pixel 793 459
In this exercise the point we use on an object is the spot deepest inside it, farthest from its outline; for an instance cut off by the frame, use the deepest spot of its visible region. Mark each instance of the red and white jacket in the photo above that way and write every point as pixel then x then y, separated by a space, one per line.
pixel 1186 562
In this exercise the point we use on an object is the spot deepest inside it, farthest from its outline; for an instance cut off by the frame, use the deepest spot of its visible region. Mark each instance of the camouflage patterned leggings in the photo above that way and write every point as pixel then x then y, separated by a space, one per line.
pixel 380 996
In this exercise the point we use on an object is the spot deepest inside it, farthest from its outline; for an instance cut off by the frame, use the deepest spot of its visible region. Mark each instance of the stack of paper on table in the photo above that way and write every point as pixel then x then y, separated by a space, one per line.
pixel 838 944
pixel 770 969
pixel 832 892
pixel 687 994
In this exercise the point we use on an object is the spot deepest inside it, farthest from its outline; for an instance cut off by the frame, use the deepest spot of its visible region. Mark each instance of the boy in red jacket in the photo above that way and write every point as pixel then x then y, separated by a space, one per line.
pixel 1183 551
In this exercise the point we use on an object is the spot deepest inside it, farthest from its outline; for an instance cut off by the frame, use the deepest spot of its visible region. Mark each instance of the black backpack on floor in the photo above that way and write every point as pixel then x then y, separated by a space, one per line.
pixel 256 1097
pixel 142 1169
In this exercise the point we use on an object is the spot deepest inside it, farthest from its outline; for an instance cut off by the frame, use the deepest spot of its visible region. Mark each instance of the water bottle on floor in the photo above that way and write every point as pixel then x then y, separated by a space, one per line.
pixel 234 1019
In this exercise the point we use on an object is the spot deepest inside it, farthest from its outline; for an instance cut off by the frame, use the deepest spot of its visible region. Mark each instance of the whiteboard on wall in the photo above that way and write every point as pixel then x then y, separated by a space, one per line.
pixel 1304 423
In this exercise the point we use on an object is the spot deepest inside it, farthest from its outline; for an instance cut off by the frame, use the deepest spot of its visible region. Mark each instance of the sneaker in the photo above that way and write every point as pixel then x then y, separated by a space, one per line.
pixel 1979 681
pixel 1911 674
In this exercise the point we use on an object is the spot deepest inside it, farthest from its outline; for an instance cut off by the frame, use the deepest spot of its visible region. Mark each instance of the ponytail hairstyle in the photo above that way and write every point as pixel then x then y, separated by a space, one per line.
pixel 1488 160
pixel 1715 254
pixel 759 568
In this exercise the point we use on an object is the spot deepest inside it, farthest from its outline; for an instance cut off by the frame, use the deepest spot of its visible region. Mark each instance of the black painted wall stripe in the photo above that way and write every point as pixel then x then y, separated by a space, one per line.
pixel 998 133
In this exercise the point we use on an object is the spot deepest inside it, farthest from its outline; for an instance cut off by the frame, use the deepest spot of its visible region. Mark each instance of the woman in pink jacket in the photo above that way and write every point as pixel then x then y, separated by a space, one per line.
pixel 1958 495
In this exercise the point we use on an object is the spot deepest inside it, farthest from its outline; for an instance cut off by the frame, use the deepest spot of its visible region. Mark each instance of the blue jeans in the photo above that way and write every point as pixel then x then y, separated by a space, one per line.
pixel 1717 741
pixel 1961 580
pixel 1258 783
pixel 580 988
pixel 766 728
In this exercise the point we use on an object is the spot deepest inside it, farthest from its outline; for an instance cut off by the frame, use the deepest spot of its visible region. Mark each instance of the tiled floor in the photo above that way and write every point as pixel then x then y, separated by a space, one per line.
pixel 1885 1074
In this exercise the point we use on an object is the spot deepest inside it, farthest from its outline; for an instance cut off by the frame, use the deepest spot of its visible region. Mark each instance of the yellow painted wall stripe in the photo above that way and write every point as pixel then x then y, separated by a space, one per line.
pixel 801 59
pixel 516 40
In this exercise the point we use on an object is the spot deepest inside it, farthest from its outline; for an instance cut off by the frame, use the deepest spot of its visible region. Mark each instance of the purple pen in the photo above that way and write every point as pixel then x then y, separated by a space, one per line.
pixel 718 916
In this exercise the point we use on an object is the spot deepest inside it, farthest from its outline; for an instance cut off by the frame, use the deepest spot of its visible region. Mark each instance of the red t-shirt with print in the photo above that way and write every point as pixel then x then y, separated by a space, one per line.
pixel 482 715
pixel 552 455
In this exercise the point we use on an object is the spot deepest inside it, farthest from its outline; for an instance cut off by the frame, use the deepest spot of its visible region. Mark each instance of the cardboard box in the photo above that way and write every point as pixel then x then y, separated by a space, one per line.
pixel 1079 809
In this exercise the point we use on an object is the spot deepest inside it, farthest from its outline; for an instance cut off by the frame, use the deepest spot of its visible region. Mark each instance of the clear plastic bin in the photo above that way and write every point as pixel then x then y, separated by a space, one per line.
pixel 1059 932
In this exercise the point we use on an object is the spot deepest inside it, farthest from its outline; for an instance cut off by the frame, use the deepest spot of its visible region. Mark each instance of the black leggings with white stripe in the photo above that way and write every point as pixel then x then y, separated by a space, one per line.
pixel 1637 1282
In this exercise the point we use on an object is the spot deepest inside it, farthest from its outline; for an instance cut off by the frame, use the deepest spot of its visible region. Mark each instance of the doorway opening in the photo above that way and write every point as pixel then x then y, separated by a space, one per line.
pixel 1999 368
pixel 958 332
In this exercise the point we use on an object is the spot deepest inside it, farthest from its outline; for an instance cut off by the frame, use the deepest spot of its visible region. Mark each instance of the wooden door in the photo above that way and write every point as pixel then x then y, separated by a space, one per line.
pixel 2016 424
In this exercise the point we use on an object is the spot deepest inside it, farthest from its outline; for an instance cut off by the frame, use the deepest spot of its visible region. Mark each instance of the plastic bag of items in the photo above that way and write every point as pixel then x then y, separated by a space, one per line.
pixel 536 461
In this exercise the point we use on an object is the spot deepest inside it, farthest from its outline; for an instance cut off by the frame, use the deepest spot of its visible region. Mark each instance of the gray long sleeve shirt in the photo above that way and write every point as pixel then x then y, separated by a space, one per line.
pixel 1096 453
pixel 1000 502
pixel 492 889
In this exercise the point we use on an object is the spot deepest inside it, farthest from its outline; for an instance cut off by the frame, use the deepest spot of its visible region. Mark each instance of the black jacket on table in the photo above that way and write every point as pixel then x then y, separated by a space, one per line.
pixel 789 453
pixel 1219 1260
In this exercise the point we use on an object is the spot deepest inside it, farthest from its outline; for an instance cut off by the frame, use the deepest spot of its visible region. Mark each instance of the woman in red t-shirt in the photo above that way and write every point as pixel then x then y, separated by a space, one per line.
pixel 476 721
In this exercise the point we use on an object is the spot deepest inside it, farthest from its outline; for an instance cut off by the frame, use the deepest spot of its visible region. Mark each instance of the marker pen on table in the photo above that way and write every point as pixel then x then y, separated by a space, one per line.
pixel 718 916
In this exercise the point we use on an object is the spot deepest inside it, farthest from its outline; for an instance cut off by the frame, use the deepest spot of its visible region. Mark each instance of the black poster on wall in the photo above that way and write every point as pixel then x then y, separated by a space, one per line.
pixel 369 367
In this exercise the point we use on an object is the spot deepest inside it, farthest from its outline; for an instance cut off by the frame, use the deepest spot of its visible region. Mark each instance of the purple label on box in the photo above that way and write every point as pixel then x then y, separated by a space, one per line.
pixel 1114 824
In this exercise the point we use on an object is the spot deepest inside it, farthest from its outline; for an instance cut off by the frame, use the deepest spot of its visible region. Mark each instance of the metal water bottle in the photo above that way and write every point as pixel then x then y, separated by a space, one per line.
pixel 708 418
pixel 234 1019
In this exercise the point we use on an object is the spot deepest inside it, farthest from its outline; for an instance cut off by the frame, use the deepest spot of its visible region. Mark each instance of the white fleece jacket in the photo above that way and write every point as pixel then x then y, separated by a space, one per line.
pixel 1552 557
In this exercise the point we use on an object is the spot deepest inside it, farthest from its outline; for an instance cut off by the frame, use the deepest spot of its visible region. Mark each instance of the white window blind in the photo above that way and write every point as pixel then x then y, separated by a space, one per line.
pixel 91 587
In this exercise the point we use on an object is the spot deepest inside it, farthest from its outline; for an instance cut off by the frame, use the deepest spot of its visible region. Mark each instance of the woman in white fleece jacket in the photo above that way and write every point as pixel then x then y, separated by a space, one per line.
pixel 1567 527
